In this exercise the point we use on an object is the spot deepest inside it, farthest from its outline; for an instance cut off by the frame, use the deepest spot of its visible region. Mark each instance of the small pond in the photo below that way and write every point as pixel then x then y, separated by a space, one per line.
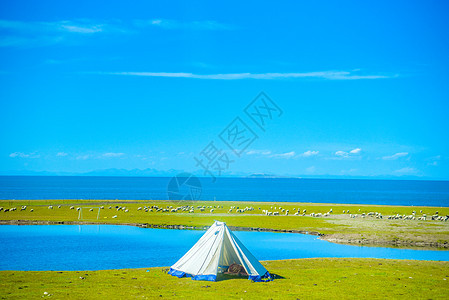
pixel 99 247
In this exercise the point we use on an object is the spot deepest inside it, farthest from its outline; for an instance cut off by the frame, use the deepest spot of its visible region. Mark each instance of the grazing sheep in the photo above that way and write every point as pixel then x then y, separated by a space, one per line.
pixel 126 210
pixel 101 207
pixel 50 207
pixel 72 207
pixel 110 207
pixel 114 216
pixel 91 209
pixel 78 208
pixel 31 210
pixel 212 210
pixel 59 206
pixel 343 211
pixel 140 208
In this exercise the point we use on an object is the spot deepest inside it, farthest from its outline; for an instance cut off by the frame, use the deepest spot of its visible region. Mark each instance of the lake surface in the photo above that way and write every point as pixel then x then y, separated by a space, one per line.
pixel 385 192
pixel 99 247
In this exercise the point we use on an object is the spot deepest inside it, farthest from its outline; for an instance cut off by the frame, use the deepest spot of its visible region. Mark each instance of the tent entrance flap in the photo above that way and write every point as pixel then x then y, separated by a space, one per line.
pixel 215 252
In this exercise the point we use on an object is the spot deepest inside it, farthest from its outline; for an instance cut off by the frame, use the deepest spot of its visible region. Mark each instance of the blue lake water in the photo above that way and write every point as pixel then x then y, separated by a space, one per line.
pixel 99 247
pixel 385 192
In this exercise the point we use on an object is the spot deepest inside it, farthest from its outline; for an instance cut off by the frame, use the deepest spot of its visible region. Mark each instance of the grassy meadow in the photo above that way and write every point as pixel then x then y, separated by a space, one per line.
pixel 340 278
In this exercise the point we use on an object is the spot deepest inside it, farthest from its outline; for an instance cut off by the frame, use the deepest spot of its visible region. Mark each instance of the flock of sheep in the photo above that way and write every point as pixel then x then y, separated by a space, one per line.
pixel 276 211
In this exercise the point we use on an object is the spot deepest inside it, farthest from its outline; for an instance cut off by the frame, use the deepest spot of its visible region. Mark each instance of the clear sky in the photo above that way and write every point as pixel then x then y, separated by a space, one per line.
pixel 362 85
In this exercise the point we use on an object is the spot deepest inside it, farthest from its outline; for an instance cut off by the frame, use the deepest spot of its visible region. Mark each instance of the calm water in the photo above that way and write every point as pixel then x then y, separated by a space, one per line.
pixel 392 192
pixel 98 247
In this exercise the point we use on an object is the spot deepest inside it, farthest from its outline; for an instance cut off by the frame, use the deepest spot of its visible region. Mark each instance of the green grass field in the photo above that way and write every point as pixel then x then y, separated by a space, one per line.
pixel 337 227
pixel 298 279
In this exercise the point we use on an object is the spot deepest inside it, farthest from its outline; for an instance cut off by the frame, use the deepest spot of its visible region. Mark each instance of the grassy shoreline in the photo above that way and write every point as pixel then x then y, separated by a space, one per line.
pixel 338 227
pixel 346 278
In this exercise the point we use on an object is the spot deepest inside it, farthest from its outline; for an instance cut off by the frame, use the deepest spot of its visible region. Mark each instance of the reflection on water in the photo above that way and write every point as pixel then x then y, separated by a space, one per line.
pixel 97 247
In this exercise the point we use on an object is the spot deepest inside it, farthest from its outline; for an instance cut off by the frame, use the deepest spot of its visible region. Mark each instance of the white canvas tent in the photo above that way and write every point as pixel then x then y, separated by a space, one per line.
pixel 216 250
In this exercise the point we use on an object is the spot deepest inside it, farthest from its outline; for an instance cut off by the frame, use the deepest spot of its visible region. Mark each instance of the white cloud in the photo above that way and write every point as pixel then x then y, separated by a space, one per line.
pixel 311 170
pixel 83 27
pixel 395 156
pixel 20 33
pixel 352 154
pixel 192 25
pixel 348 172
pixel 434 160
pixel 309 153
pixel 112 154
pixel 341 153
pixel 83 157
pixel 61 154
pixel 330 75
pixel 406 171
pixel 286 155
pixel 259 152
pixel 18 154
pixel 24 155
pixel 355 151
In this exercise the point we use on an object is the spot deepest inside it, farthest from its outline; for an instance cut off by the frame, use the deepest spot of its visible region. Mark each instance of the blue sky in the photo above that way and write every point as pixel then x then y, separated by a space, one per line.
pixel 363 86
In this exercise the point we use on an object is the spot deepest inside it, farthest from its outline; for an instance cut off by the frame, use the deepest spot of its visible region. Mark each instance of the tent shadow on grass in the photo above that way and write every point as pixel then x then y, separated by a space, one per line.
pixel 223 277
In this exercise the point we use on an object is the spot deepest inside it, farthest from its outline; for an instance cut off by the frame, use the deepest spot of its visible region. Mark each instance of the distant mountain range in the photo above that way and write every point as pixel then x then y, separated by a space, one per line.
pixel 200 173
